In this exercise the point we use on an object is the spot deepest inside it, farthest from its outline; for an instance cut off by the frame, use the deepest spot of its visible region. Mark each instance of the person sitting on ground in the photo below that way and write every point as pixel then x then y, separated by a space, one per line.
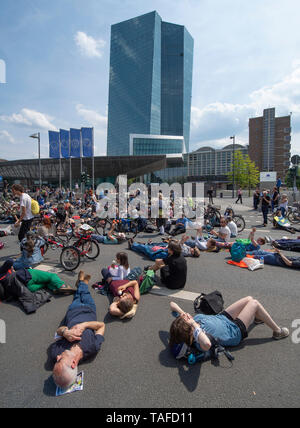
pixel 46 229
pixel 224 233
pixel 284 202
pixel 81 336
pixel 126 298
pixel 173 269
pixel 233 227
pixel 118 270
pixel 31 248
pixel 180 226
pixel 229 327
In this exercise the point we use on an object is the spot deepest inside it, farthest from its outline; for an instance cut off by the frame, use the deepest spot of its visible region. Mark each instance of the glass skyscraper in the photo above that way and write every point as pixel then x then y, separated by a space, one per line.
pixel 150 85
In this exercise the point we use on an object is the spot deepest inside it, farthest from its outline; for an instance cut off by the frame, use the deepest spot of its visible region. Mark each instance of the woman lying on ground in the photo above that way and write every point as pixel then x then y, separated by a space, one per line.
pixel 126 298
pixel 230 327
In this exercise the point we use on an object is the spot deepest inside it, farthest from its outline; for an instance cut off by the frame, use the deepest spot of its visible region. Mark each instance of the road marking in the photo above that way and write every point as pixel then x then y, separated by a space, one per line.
pixel 185 295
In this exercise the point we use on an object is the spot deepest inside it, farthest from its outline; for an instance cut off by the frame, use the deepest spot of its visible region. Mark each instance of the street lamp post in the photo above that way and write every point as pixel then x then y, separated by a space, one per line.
pixel 38 137
pixel 233 166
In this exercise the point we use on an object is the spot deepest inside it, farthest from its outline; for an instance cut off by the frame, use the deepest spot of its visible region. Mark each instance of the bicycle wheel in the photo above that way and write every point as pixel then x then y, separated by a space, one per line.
pixel 293 217
pixel 240 223
pixel 70 258
pixel 91 249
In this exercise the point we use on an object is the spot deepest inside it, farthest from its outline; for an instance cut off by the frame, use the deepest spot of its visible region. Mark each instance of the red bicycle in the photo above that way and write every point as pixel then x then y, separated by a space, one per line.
pixel 71 255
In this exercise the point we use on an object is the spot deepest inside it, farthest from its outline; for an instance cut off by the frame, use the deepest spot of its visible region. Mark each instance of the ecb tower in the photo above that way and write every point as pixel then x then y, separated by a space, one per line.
pixel 150 87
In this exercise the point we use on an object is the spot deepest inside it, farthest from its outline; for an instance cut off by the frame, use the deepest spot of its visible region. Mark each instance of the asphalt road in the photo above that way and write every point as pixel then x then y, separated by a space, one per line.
pixel 134 368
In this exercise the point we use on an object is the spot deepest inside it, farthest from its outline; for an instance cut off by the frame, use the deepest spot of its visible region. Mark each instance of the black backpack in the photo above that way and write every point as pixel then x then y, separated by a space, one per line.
pixel 209 304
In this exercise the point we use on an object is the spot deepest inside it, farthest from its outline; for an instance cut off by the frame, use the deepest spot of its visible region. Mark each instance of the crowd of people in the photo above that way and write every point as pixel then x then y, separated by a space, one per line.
pixel 81 335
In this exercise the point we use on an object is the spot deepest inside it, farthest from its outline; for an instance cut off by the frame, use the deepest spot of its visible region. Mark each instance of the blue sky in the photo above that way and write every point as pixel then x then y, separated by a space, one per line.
pixel 246 58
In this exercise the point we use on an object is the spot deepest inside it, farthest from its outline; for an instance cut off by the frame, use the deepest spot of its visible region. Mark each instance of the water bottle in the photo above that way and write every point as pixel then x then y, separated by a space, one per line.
pixel 262 261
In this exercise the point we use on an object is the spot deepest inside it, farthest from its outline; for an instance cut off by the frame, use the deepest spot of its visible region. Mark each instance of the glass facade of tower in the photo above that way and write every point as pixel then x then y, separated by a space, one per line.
pixel 176 80
pixel 150 82
pixel 134 83
pixel 143 145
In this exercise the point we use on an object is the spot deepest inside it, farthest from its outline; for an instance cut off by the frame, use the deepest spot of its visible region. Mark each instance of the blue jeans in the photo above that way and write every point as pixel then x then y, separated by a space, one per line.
pixel 98 238
pixel 273 259
pixel 106 274
pixel 146 249
pixel 82 298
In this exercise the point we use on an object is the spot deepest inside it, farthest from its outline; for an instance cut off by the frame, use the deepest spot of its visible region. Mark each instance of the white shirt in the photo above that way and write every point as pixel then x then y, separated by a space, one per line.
pixel 233 228
pixel 25 201
pixel 225 231
pixel 119 273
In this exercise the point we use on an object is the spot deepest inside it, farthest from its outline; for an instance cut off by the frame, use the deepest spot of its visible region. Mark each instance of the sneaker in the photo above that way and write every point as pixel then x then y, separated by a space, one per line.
pixel 284 332
pixel 258 322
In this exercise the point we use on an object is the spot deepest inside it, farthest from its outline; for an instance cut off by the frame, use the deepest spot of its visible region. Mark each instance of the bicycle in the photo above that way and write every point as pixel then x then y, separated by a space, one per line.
pixel 85 246
pixel 71 255
pixel 212 216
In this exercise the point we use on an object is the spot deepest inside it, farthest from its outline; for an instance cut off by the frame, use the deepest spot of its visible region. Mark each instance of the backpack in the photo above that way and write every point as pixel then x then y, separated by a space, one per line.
pixel 238 252
pixel 35 208
pixel 148 282
pixel 209 304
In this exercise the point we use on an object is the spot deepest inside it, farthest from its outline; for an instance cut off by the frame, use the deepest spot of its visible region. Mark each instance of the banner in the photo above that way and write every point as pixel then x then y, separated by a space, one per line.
pixel 65 143
pixel 54 145
pixel 87 142
pixel 75 137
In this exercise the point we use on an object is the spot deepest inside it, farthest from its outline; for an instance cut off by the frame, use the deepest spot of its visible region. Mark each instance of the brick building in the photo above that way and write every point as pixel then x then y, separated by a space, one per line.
pixel 270 142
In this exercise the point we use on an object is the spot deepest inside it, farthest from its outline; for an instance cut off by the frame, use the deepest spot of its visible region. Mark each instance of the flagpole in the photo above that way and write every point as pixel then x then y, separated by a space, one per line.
pixel 81 185
pixel 93 164
pixel 59 163
pixel 70 162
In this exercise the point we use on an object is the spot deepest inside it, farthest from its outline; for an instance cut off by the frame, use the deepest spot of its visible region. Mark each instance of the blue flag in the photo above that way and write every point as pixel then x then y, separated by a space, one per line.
pixel 87 142
pixel 65 143
pixel 75 137
pixel 54 145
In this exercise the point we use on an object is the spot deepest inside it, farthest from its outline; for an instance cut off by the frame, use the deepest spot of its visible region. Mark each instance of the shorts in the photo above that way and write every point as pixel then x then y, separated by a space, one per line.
pixel 237 322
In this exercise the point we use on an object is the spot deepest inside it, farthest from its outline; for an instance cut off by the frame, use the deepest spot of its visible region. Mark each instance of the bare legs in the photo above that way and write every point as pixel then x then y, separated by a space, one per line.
pixel 248 309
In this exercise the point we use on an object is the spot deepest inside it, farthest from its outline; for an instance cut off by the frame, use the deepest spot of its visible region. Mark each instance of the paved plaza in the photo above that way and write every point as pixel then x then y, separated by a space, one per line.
pixel 134 368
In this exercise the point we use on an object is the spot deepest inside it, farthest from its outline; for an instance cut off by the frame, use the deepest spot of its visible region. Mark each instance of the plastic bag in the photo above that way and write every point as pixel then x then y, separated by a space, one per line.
pixel 253 264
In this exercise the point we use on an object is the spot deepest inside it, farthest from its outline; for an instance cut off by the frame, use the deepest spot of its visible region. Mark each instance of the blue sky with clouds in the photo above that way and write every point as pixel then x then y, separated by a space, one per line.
pixel 246 58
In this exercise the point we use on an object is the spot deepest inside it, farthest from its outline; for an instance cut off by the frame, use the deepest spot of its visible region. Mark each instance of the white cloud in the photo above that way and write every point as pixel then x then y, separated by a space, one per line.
pixel 6 137
pixel 91 116
pixel 215 122
pixel 30 118
pixel 99 122
pixel 89 46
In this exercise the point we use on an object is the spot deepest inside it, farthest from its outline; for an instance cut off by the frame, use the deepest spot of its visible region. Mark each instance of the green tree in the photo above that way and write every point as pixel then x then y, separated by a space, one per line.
pixel 244 172
pixel 290 177
pixel 252 172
